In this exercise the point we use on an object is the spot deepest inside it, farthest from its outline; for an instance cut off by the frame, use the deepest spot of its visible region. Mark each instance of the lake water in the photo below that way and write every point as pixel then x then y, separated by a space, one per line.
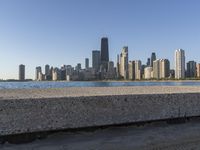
pixel 52 84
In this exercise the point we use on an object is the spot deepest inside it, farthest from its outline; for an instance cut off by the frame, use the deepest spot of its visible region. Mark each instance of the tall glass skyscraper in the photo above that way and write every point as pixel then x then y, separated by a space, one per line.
pixel 21 72
pixel 86 63
pixel 153 58
pixel 47 69
pixel 191 69
pixel 104 52
pixel 96 60
pixel 179 64
pixel 38 70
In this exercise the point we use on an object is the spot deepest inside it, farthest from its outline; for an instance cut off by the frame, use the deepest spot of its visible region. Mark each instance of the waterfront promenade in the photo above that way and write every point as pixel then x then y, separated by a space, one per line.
pixel 26 111
pixel 154 136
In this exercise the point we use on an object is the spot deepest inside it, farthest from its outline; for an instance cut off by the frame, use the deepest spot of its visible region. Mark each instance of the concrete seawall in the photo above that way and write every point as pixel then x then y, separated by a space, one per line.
pixel 25 111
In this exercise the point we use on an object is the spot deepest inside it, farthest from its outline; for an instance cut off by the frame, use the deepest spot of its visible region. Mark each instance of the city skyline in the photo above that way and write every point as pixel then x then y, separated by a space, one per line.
pixel 124 62
pixel 125 69
pixel 36 33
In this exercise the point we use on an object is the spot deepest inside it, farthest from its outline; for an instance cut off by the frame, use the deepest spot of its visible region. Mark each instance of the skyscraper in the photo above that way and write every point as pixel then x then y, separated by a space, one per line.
pixel 96 58
pixel 161 68
pixel 38 70
pixel 56 74
pixel 124 63
pixel 111 73
pixel 156 69
pixel 47 70
pixel 153 58
pixel 131 70
pixel 191 69
pixel 86 63
pixel 63 73
pixel 164 68
pixel 78 67
pixel 69 70
pixel 104 53
pixel 142 70
pixel 148 72
pixel 138 67
pixel 21 72
pixel 179 64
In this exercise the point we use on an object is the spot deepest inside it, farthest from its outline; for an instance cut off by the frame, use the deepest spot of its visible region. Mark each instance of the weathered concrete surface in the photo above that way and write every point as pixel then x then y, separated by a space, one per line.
pixel 24 111
pixel 94 91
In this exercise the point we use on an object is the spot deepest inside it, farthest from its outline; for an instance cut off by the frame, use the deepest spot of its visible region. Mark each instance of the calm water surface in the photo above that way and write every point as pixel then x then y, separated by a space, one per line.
pixel 51 84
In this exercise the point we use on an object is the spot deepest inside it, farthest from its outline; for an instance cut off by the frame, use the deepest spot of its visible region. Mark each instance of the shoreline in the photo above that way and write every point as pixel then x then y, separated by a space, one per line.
pixel 187 80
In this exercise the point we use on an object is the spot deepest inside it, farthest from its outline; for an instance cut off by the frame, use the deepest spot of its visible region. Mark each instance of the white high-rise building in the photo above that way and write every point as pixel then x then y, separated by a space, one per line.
pixel 148 73
pixel 179 64
pixel 123 70
pixel 161 68
pixel 156 69
pixel 164 68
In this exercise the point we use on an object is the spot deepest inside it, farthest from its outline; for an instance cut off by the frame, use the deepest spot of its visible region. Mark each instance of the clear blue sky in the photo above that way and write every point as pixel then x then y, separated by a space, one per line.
pixel 56 32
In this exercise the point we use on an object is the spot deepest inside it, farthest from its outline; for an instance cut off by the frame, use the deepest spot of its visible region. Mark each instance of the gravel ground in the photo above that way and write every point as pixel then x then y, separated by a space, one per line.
pixel 156 136
pixel 93 91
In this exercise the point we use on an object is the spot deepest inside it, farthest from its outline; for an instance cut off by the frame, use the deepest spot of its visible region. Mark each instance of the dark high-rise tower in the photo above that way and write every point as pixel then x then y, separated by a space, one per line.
pixel 148 62
pixel 86 63
pixel 191 69
pixel 21 72
pixel 153 57
pixel 104 53
pixel 47 70
pixel 38 70
pixel 96 60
